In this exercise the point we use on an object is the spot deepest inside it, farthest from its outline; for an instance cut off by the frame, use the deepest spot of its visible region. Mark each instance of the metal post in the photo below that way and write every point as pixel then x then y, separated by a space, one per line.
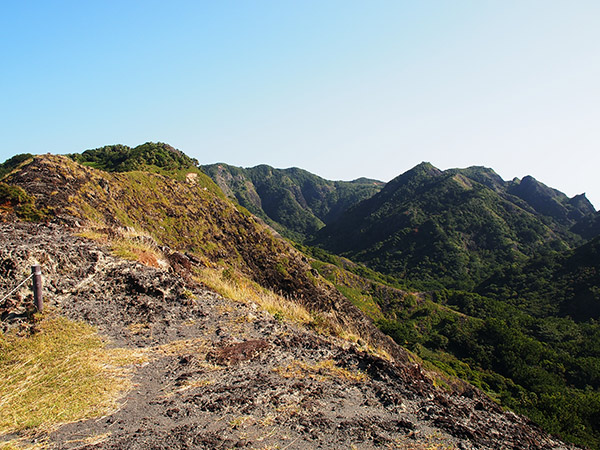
pixel 37 287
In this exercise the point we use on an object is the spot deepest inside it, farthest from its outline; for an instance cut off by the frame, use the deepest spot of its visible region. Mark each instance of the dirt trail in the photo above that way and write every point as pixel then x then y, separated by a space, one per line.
pixel 226 375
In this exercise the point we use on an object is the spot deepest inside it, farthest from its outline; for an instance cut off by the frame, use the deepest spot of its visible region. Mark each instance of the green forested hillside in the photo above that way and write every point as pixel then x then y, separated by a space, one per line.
pixel 449 228
pixel 588 227
pixel 513 338
pixel 532 337
pixel 565 284
pixel 512 297
pixel 295 202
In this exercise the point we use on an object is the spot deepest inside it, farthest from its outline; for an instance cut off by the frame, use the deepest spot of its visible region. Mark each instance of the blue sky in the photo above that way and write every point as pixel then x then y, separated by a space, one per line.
pixel 341 88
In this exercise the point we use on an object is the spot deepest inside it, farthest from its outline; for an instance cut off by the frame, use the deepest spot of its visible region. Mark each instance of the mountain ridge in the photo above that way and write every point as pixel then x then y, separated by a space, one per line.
pixel 221 373
pixel 184 215
pixel 296 202
pixel 457 223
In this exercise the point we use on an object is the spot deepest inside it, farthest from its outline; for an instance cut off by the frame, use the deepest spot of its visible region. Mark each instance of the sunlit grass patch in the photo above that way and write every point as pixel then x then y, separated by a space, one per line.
pixel 239 288
pixel 192 384
pixel 62 373
pixel 240 421
pixel 19 444
pixel 134 250
pixel 93 234
pixel 197 346
pixel 321 371
pixel 232 285
pixel 139 328
pixel 128 244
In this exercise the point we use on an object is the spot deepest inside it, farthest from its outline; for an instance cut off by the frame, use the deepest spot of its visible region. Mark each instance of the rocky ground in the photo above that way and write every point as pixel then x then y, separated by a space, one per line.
pixel 225 374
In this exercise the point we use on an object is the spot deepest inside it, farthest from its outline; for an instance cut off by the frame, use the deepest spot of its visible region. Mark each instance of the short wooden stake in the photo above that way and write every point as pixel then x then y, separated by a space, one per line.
pixel 37 287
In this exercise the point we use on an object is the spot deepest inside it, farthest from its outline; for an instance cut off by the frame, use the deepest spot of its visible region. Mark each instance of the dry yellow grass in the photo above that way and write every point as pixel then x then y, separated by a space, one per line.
pixel 321 371
pixel 138 251
pixel 197 346
pixel 139 328
pixel 128 244
pixel 62 373
pixel 239 288
pixel 94 235
pixel 19 444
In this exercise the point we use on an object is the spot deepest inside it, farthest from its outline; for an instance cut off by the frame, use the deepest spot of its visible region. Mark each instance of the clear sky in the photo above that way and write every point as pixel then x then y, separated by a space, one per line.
pixel 342 88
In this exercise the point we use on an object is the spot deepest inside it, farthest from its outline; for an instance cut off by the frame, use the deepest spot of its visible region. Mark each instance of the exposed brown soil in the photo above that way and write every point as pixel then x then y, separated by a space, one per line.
pixel 226 375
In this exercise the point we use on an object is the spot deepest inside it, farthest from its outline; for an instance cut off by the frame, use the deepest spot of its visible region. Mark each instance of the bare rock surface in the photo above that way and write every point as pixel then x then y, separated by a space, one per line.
pixel 225 374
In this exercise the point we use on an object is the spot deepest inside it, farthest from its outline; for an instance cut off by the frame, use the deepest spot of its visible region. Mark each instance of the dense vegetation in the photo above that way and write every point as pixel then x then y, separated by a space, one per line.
pixel 447 229
pixel 588 226
pixel 148 156
pixel 155 157
pixel 513 337
pixel 295 202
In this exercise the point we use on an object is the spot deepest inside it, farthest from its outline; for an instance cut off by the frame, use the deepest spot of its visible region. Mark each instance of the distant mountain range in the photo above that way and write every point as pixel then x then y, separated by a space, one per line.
pixel 453 227
pixel 449 228
pixel 295 202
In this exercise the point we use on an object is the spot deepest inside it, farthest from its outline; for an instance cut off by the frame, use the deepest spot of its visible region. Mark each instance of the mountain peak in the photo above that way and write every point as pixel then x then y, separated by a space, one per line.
pixel 551 202
pixel 580 201
pixel 293 201
pixel 415 175
pixel 426 167
pixel 484 175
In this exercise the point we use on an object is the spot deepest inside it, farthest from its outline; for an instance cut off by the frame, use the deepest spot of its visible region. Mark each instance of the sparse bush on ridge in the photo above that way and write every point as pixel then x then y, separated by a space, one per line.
pixel 23 204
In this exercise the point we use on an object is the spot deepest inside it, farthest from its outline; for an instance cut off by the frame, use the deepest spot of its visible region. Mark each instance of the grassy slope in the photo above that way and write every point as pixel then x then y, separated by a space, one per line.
pixel 62 373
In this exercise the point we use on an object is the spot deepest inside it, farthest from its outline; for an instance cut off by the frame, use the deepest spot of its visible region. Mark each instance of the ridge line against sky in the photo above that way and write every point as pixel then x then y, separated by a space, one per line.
pixel 343 89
